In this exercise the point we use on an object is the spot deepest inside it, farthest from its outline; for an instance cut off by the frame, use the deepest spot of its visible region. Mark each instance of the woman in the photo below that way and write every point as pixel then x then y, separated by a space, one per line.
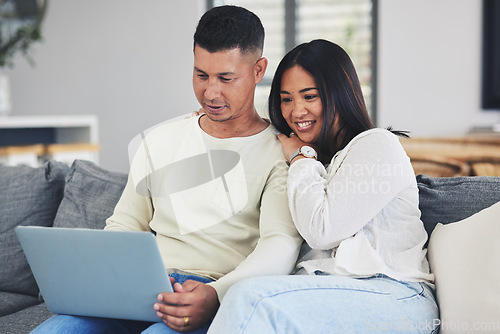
pixel 354 199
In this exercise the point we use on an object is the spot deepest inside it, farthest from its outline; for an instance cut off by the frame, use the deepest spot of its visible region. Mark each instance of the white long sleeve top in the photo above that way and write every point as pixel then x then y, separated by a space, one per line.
pixel 360 214
pixel 218 206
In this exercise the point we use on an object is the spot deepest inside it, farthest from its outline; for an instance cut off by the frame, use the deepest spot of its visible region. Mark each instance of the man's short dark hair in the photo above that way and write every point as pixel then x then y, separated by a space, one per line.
pixel 228 27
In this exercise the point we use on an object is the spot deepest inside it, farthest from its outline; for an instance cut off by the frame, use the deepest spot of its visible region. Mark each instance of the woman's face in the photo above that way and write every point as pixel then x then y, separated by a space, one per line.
pixel 301 105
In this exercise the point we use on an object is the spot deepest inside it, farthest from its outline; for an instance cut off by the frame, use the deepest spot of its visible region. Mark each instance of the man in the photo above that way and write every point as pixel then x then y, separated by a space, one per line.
pixel 212 187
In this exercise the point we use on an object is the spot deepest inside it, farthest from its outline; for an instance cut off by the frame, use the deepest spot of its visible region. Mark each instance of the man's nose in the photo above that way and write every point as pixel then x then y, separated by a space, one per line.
pixel 213 90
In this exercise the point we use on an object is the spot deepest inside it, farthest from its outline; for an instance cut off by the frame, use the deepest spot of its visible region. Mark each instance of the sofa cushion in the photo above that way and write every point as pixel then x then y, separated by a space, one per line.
pixel 13 302
pixel 450 199
pixel 24 321
pixel 90 196
pixel 29 197
pixel 464 259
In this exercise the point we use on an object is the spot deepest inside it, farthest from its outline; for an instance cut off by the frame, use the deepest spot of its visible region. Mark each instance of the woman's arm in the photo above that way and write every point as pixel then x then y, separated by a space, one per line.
pixel 330 207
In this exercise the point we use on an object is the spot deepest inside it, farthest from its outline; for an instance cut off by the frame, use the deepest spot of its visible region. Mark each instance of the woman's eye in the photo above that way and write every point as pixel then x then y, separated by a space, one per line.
pixel 310 97
pixel 286 99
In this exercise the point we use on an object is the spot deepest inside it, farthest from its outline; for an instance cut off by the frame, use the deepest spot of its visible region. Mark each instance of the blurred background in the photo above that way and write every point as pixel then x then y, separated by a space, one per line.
pixel 128 64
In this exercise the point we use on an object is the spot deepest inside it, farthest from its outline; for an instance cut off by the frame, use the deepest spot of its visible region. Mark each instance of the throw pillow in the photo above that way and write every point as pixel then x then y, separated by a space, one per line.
pixel 90 196
pixel 464 259
pixel 29 197
pixel 450 199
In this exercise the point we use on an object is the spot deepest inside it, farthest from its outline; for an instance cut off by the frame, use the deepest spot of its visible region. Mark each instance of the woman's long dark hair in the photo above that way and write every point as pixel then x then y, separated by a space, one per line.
pixel 339 90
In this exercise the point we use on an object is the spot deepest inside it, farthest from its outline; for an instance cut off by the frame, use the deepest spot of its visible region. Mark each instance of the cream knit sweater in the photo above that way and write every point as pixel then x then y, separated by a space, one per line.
pixel 218 206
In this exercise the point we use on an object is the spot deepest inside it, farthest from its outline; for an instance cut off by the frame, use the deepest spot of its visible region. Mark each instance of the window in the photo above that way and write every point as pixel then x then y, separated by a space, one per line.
pixel 349 23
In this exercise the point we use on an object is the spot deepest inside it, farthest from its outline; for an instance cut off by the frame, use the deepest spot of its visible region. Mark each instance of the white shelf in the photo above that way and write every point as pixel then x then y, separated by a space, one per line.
pixel 68 128
pixel 51 129
pixel 49 120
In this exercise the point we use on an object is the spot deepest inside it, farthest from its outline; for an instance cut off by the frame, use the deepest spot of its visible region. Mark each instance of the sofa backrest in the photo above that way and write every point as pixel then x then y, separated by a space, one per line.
pixel 28 196
pixel 34 197
pixel 450 199
pixel 90 196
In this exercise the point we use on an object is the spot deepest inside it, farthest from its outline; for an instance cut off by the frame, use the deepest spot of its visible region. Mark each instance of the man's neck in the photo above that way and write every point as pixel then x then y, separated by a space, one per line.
pixel 242 126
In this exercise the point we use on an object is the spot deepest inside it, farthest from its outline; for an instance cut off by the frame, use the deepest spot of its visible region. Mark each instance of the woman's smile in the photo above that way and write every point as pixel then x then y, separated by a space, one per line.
pixel 304 126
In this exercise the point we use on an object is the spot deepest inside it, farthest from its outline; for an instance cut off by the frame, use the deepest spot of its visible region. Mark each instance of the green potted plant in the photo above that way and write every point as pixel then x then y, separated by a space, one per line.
pixel 21 41
pixel 19 29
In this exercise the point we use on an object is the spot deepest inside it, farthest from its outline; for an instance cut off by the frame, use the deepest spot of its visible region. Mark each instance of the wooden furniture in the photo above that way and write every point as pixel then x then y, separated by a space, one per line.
pixel 21 155
pixel 464 156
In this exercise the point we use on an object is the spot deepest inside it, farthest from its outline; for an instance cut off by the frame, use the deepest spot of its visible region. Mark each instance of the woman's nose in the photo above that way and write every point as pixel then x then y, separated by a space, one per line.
pixel 299 110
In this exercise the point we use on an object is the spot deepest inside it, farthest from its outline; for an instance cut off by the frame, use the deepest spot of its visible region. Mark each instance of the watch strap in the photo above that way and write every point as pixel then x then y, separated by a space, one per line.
pixel 294 155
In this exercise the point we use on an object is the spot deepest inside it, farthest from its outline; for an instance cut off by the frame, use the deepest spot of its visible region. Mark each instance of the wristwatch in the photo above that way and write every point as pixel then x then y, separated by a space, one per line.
pixel 306 151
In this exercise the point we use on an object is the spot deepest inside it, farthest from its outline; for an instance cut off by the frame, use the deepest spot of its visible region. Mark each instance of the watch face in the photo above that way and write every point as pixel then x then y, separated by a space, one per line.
pixel 308 151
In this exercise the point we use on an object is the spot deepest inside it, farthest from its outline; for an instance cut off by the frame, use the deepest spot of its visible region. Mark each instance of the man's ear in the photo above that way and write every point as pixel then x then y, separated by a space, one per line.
pixel 260 69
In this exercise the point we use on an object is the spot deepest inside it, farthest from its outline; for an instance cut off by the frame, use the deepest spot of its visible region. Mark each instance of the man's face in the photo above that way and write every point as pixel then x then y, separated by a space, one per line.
pixel 224 82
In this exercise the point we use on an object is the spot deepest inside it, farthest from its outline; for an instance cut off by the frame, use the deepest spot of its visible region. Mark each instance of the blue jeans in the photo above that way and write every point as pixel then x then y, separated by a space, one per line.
pixel 326 304
pixel 85 325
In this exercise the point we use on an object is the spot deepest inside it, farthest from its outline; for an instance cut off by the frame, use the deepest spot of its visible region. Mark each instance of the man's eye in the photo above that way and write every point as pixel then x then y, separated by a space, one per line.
pixel 225 79
pixel 202 76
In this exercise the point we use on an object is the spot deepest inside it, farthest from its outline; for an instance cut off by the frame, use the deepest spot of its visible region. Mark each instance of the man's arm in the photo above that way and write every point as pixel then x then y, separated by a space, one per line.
pixel 279 243
pixel 275 254
pixel 133 212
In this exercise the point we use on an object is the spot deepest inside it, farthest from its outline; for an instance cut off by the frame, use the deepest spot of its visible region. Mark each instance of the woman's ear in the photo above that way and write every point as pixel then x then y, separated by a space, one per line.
pixel 260 69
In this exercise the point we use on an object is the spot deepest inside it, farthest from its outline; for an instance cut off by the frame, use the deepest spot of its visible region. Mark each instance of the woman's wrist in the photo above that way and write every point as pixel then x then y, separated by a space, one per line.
pixel 303 152
pixel 299 157
pixel 295 158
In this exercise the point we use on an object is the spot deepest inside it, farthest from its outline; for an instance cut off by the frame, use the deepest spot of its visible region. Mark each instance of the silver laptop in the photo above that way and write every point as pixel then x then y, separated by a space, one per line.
pixel 108 274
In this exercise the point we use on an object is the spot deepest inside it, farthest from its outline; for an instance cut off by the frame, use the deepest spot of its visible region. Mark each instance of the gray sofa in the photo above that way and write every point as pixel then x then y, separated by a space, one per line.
pixel 52 195
pixel 84 195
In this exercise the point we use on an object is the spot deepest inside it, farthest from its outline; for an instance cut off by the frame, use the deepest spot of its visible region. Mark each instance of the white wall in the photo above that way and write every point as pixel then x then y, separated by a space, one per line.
pixel 429 67
pixel 129 62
